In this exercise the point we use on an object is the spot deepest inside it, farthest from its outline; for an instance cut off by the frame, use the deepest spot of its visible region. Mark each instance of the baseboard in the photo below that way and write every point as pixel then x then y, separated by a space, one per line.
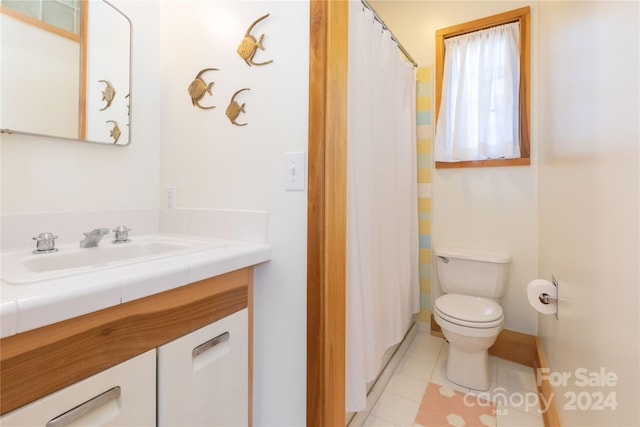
pixel 436 330
pixel 545 391
pixel 526 350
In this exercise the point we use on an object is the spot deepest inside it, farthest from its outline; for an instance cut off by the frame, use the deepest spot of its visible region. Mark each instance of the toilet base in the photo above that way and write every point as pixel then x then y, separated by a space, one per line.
pixel 468 369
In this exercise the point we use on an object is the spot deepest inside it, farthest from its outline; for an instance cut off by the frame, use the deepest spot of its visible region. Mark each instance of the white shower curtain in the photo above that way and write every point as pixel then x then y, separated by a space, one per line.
pixel 382 213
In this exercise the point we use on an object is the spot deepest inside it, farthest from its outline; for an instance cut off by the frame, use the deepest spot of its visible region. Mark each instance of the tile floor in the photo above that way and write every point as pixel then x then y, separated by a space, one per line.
pixel 513 388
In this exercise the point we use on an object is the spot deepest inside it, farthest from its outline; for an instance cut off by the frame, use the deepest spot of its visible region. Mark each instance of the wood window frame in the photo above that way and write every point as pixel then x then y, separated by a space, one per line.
pixel 522 16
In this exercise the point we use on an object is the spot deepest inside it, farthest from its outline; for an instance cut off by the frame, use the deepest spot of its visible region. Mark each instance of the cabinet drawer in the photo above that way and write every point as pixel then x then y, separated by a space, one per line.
pixel 203 376
pixel 122 395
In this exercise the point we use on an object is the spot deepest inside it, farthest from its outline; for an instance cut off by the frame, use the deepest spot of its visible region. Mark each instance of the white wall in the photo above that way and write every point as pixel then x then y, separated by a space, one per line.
pixel 481 208
pixel 47 175
pixel 214 164
pixel 589 199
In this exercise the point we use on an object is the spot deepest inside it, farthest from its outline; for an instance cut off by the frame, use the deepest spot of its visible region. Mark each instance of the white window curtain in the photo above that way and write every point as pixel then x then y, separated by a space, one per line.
pixel 479 108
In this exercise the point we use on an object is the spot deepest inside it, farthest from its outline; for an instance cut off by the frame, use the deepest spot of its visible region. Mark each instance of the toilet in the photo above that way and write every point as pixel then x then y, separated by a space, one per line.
pixel 469 312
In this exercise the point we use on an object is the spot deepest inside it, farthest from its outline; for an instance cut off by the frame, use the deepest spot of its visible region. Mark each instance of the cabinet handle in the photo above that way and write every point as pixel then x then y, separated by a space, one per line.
pixel 209 344
pixel 84 408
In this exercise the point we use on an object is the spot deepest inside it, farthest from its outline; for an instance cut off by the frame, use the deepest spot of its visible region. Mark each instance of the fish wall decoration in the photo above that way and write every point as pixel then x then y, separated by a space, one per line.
pixel 234 110
pixel 108 94
pixel 249 45
pixel 115 131
pixel 198 88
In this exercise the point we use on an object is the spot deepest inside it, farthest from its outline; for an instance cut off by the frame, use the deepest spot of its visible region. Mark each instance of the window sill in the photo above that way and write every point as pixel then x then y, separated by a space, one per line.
pixel 523 161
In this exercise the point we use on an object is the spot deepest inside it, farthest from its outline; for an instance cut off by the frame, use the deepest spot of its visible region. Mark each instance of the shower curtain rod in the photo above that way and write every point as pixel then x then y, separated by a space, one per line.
pixel 393 37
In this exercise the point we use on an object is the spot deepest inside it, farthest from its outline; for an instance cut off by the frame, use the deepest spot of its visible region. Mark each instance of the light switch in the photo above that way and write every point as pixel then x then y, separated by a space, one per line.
pixel 295 175
pixel 171 197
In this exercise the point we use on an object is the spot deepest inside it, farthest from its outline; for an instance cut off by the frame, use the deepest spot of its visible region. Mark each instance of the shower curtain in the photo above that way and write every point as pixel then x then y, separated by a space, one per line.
pixel 382 212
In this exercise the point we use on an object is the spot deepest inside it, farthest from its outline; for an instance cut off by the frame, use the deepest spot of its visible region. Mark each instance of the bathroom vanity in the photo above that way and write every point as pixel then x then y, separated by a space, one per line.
pixel 178 341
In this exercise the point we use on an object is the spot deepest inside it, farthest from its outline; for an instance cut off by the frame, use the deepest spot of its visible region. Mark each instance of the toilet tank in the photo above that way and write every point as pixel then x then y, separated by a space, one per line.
pixel 472 272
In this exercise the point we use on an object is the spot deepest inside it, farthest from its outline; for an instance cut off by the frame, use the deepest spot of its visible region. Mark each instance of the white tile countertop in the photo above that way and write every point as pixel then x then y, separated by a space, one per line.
pixel 27 306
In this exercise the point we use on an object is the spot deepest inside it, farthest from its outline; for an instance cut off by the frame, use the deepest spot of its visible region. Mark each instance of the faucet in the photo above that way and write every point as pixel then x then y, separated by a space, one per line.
pixel 93 237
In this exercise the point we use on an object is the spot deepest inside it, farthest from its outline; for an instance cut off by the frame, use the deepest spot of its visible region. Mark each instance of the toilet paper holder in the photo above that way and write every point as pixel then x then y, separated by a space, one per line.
pixel 545 298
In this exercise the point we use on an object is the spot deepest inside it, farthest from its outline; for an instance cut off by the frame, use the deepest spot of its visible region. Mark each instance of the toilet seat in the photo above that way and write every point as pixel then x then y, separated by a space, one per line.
pixel 469 311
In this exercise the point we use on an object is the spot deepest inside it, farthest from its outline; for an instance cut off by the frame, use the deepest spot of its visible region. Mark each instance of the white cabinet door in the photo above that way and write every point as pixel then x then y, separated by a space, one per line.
pixel 203 377
pixel 124 395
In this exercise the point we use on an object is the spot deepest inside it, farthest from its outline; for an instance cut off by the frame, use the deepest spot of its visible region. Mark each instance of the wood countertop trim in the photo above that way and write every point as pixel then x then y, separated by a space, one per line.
pixel 36 363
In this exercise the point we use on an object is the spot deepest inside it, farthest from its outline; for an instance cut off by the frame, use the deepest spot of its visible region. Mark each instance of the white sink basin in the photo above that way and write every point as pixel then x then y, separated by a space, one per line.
pixel 24 267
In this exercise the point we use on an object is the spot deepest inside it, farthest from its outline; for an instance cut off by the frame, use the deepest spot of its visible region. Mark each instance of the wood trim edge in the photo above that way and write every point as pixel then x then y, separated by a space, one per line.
pixel 481 23
pixel 516 347
pixel 250 358
pixel 83 59
pixel 436 330
pixel 545 390
pixel 315 212
pixel 520 161
pixel 326 213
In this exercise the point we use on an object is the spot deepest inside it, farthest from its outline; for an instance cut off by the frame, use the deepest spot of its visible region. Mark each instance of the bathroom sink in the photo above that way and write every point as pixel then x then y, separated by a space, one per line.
pixel 24 267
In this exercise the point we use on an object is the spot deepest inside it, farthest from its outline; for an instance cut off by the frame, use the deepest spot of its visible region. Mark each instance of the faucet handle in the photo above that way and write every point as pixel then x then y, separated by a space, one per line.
pixel 122 234
pixel 45 243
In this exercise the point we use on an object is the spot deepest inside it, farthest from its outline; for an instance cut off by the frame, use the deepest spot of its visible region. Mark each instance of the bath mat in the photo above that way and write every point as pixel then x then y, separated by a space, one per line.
pixel 442 406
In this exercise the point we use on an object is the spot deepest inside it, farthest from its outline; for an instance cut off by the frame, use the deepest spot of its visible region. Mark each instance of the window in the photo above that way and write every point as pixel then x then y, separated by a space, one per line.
pixel 482 92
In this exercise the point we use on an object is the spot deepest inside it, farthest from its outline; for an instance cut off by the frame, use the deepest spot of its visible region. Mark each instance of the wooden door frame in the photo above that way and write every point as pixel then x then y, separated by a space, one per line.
pixel 326 213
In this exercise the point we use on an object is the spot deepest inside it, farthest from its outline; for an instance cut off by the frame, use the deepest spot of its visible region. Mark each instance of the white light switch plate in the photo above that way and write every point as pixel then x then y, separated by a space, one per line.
pixel 295 171
pixel 171 197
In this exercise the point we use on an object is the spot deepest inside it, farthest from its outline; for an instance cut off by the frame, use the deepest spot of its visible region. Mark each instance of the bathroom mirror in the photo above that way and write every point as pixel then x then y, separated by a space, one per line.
pixel 65 70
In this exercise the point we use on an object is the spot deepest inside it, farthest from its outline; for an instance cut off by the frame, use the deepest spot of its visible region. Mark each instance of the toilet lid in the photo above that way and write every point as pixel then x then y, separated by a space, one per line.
pixel 468 308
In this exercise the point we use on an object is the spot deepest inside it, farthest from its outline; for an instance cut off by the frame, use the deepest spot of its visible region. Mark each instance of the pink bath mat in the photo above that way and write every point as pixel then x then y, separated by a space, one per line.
pixel 442 406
